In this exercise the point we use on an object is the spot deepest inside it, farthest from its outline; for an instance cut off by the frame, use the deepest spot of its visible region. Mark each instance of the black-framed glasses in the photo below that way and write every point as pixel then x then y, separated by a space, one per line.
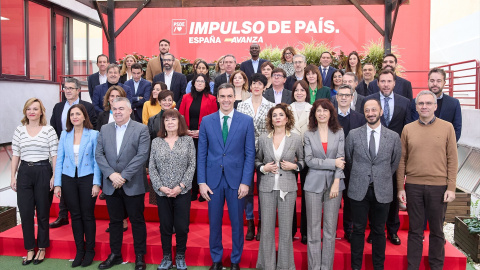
pixel 69 88
pixel 344 95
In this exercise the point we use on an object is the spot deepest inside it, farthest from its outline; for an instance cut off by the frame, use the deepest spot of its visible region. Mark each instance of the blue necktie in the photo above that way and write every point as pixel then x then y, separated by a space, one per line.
pixel 386 111
pixel 324 74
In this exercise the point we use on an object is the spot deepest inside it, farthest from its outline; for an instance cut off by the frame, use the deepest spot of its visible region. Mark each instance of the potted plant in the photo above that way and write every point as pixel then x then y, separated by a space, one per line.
pixel 467 235
pixel 8 217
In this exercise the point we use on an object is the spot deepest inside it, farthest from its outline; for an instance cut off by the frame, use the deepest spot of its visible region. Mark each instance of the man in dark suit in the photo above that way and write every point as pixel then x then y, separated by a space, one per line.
pixel 396 113
pixel 372 154
pixel 100 76
pixel 368 76
pixel 113 77
pixel 141 91
pixel 252 65
pixel 299 64
pixel 175 81
pixel 121 153
pixel 448 108
pixel 278 94
pixel 402 86
pixel 59 121
pixel 325 69
pixel 226 158
pixel 229 63
pixel 349 120
pixel 351 79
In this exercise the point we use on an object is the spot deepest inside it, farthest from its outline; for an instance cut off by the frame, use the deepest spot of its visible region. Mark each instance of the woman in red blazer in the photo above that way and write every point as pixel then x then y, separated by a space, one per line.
pixel 195 105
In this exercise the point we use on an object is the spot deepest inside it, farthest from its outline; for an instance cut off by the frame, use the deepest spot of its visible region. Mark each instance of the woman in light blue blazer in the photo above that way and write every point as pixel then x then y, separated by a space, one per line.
pixel 324 156
pixel 78 178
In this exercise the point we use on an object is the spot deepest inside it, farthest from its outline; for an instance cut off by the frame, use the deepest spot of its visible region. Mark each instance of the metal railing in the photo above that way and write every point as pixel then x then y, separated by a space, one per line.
pixel 462 82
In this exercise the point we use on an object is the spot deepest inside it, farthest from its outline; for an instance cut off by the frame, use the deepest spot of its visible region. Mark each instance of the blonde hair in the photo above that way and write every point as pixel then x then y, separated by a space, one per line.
pixel 217 65
pixel 124 65
pixel 30 101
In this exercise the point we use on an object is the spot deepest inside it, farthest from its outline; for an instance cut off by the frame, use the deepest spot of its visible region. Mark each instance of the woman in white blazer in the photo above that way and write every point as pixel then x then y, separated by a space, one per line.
pixel 301 109
pixel 324 155
pixel 78 179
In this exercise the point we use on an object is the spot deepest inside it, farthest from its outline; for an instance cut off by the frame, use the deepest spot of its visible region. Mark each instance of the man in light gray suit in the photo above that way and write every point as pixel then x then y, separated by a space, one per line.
pixel 121 153
pixel 372 153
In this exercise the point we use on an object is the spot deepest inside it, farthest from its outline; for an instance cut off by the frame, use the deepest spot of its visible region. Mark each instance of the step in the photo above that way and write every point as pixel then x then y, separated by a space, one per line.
pixel 62 246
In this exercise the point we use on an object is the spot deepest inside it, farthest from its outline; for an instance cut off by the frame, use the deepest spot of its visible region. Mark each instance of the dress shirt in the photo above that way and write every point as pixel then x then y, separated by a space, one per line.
pixel 441 96
pixel 135 85
pixel 391 104
pixel 278 96
pixel 110 117
pixel 354 100
pixel 168 79
pixel 278 155
pixel 429 122
pixel 343 114
pixel 120 132
pixel 65 112
pixel 255 64
pixel 229 120
pixel 102 78
pixel 376 135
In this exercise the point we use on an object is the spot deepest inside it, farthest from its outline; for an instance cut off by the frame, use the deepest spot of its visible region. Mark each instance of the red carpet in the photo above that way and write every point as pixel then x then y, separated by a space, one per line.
pixel 62 245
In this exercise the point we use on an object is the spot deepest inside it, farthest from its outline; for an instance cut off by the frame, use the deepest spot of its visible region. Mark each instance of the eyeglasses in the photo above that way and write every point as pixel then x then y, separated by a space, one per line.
pixel 421 104
pixel 298 62
pixel 69 88
pixel 167 60
pixel 288 53
pixel 277 76
pixel 198 81
pixel 344 95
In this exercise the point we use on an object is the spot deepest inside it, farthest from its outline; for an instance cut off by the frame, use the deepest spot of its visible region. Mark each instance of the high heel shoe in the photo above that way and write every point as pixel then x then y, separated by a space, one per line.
pixel 88 259
pixel 26 261
pixel 37 260
pixel 78 259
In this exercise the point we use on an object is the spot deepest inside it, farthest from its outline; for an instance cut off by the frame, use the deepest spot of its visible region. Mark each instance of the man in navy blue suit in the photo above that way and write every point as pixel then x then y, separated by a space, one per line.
pixel 325 69
pixel 100 76
pixel 252 66
pixel 141 91
pixel 175 81
pixel 396 114
pixel 113 75
pixel 226 157
pixel 448 108
pixel 402 87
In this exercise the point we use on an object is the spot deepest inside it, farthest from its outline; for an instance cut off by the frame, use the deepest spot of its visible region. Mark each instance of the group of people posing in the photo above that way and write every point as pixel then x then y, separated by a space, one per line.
pixel 367 142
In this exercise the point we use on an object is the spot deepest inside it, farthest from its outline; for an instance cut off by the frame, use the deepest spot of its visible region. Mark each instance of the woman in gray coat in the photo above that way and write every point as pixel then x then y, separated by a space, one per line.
pixel 279 155
pixel 324 155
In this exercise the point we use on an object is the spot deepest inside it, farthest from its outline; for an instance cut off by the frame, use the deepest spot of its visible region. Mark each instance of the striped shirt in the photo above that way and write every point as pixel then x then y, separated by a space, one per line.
pixel 33 149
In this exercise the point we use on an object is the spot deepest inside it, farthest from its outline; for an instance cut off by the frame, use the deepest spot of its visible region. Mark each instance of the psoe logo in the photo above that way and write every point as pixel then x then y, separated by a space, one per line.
pixel 179 27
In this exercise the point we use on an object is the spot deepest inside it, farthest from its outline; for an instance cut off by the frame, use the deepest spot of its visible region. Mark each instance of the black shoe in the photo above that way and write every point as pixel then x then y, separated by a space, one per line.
pixel 201 199
pixel 216 266
pixel 26 261
pixel 78 259
pixel 140 263
pixel 111 261
pixel 250 230
pixel 304 239
pixel 394 239
pixel 347 236
pixel 37 260
pixel 102 196
pixel 88 259
pixel 124 229
pixel 259 230
pixel 235 266
pixel 59 223
pixel 369 238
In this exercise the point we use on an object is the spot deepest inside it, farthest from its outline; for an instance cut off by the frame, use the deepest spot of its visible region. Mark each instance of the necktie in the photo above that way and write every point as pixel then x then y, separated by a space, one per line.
pixel 225 129
pixel 228 78
pixel 386 111
pixel 324 74
pixel 371 145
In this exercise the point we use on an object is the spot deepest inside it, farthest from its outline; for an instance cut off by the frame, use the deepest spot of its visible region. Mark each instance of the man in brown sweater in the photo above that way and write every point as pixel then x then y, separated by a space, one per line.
pixel 155 65
pixel 428 168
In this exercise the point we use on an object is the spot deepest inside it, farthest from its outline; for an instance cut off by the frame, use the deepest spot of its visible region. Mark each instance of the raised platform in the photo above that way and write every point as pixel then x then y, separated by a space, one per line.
pixel 63 247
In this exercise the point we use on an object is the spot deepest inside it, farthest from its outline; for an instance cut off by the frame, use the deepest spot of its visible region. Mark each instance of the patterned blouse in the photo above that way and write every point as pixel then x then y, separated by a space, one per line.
pixel 39 147
pixel 288 67
pixel 170 167
pixel 259 119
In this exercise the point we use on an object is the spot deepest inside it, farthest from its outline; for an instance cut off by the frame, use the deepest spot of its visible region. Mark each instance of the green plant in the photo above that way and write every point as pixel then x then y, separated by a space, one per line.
pixel 141 59
pixel 313 49
pixel 373 52
pixel 273 54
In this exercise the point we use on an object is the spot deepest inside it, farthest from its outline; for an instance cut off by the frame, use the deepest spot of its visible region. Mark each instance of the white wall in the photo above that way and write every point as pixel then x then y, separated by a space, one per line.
pixel 78 7
pixel 454 31
pixel 13 97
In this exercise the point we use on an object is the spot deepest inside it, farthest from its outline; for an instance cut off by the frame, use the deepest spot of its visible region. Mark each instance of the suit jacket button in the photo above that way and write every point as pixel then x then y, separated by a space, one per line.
pixel 280 174
pixel 86 164
pixel 86 154
pixel 221 165
pixel 117 161
pixel 224 155
pixel 67 166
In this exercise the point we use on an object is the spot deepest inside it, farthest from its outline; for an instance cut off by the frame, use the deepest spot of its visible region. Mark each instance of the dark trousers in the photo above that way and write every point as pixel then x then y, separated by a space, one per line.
pixel 135 205
pixel 174 212
pixel 195 189
pixel 303 214
pixel 63 210
pixel 77 192
pixel 393 221
pixel 379 213
pixel 33 193
pixel 423 199
pixel 347 207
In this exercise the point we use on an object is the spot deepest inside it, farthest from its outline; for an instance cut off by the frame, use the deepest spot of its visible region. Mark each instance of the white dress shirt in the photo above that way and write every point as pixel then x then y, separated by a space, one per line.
pixel 102 78
pixel 168 79
pixel 120 132
pixel 65 112
pixel 229 120
pixel 376 135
